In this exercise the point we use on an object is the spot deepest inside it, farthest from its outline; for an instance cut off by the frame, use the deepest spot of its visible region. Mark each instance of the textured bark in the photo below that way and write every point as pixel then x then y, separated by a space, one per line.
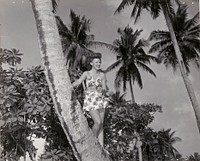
pixel 185 77
pixel 85 146
pixel 131 90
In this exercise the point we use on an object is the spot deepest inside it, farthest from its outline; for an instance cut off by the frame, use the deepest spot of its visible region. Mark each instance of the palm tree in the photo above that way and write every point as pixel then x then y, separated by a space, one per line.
pixel 166 141
pixel 187 34
pixel 130 57
pixel 84 145
pixel 160 145
pixel 149 144
pixel 195 157
pixel 76 40
pixel 12 57
pixel 166 6
pixel 116 99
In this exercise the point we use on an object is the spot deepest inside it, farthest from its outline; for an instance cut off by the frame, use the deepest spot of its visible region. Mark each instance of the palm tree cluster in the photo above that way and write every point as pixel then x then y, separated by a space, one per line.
pixel 127 122
pixel 185 40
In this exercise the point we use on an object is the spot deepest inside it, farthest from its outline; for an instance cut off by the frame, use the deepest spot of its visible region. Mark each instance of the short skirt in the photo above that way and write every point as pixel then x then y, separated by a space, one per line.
pixel 94 100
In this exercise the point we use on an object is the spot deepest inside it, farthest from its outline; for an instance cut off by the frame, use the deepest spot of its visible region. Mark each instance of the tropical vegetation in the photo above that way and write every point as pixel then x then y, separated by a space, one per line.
pixel 28 112
pixel 155 7
pixel 130 57
pixel 186 31
pixel 30 109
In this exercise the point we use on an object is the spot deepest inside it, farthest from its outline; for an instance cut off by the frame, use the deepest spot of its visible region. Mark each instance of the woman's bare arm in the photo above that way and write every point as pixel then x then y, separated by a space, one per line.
pixel 80 80
pixel 104 83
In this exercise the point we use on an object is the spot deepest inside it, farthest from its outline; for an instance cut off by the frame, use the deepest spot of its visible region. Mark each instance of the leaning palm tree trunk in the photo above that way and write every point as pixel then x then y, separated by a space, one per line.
pixel 186 80
pixel 84 145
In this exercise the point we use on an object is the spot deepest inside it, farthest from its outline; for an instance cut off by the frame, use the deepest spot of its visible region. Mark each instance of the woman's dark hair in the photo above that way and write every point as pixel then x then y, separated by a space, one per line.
pixel 95 55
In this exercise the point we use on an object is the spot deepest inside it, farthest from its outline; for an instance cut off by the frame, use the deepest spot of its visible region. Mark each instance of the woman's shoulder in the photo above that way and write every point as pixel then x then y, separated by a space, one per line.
pixel 102 74
pixel 86 73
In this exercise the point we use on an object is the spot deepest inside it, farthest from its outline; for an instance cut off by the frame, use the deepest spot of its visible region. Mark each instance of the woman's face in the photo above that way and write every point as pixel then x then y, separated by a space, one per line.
pixel 96 63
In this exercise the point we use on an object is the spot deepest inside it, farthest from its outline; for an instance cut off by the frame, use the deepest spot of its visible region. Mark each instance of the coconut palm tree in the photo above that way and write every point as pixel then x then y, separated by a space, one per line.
pixel 149 141
pixel 166 6
pixel 195 157
pixel 187 34
pixel 130 57
pixel 76 40
pixel 166 141
pixel 160 145
pixel 116 99
pixel 12 56
pixel 84 145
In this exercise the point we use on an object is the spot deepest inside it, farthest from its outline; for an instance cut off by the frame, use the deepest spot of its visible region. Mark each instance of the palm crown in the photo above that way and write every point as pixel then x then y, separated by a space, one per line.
pixel 130 56
pixel 186 31
pixel 76 40
pixel 153 6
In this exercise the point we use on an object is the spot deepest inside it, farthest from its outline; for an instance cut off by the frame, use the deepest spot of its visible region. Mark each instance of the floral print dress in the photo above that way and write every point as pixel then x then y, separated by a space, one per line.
pixel 94 98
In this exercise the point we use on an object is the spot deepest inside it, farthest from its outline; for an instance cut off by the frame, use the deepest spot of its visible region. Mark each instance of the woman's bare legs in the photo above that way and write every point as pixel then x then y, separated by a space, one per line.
pixel 101 136
pixel 95 114
pixel 102 114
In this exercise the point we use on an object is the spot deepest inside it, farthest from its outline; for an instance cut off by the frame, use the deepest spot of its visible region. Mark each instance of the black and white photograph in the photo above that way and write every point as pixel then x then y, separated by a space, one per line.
pixel 99 80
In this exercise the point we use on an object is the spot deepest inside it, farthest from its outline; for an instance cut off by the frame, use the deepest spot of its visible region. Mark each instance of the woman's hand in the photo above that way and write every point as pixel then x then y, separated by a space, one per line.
pixel 105 93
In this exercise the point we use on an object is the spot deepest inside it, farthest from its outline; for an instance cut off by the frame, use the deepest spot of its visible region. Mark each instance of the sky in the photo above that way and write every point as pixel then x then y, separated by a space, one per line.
pixel 18 30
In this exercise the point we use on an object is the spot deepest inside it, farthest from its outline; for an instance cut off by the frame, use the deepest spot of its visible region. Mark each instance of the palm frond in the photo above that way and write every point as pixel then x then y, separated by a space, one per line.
pixel 139 10
pixel 114 65
pixel 193 31
pixel 70 54
pixel 159 35
pixel 154 8
pixel 147 58
pixel 160 45
pixel 97 44
pixel 171 62
pixel 117 43
pixel 90 38
pixel 124 4
pixel 146 68
pixel 192 22
pixel 191 42
pixel 63 30
pixel 69 50
pixel 135 76
pixel 142 43
pixel 136 34
pixel 118 79
pixel 178 2
pixel 194 55
pixel 169 7
pixel 54 5
pixel 163 53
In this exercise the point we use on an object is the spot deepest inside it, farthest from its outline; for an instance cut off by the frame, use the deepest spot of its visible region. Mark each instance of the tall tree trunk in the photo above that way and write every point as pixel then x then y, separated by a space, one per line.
pixel 186 80
pixel 131 90
pixel 85 146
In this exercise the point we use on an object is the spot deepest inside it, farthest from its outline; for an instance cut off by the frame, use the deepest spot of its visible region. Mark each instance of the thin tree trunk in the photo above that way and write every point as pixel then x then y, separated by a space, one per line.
pixel 139 145
pixel 134 152
pixel 186 80
pixel 131 90
pixel 83 142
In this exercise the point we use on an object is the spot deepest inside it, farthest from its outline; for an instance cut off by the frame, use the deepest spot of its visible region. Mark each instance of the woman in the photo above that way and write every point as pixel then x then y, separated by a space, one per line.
pixel 94 101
